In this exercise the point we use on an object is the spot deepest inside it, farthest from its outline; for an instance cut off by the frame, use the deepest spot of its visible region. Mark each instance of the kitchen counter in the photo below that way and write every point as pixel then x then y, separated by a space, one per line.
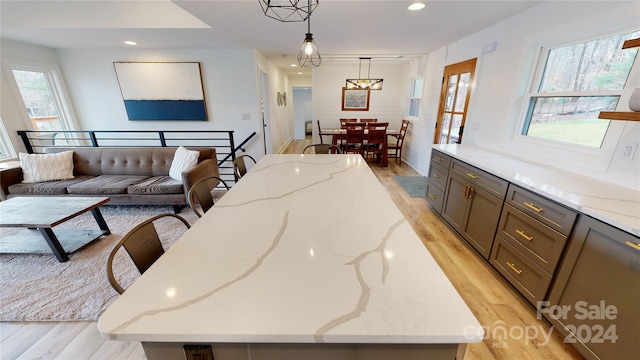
pixel 306 253
pixel 613 204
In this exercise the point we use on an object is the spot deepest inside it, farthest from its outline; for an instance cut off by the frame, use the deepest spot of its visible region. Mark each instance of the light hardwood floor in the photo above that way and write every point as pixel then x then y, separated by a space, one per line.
pixel 496 305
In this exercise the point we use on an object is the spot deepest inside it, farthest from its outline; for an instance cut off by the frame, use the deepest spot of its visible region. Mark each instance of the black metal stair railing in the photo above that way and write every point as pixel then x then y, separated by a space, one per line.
pixel 36 141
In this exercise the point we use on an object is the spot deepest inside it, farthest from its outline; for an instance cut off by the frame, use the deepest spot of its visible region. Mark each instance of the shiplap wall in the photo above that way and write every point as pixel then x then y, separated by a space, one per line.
pixel 387 105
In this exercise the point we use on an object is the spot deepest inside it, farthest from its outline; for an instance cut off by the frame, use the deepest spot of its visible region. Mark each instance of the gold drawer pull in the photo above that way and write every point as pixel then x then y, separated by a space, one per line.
pixel 533 207
pixel 437 176
pixel 633 245
pixel 438 159
pixel 472 176
pixel 521 233
pixel 514 268
pixel 432 196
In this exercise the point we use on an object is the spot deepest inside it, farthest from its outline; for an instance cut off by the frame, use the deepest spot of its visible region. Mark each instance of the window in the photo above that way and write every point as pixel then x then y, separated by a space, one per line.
pixel 6 149
pixel 573 84
pixel 416 95
pixel 38 97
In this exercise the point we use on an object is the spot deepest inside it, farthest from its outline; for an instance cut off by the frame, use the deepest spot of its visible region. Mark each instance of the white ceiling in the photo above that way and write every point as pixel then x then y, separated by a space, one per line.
pixel 342 29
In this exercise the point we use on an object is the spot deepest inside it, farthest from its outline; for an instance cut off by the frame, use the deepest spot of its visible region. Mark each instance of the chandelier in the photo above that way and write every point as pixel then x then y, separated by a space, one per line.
pixel 368 83
pixel 288 10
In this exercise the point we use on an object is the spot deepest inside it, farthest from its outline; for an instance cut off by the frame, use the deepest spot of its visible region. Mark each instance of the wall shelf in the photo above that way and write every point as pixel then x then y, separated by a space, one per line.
pixel 620 115
pixel 623 115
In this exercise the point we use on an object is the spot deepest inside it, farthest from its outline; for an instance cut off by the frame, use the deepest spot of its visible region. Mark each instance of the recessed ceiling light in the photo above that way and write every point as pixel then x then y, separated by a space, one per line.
pixel 416 6
pixel 299 72
pixel 129 42
pixel 293 65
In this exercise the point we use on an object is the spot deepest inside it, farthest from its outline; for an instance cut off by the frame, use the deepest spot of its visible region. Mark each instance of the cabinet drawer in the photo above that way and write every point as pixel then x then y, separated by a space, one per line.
pixel 537 241
pixel 546 211
pixel 522 273
pixel 438 175
pixel 477 177
pixel 435 197
pixel 440 158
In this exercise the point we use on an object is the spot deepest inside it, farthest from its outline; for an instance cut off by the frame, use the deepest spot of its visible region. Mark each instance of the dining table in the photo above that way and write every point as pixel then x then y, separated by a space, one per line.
pixel 306 257
pixel 339 133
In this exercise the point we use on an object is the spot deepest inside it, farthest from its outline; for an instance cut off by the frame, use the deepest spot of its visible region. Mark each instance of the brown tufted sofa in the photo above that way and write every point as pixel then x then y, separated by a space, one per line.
pixel 129 176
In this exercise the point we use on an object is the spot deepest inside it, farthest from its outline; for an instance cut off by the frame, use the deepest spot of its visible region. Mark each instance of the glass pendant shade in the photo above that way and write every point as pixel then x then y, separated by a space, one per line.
pixel 309 56
pixel 288 10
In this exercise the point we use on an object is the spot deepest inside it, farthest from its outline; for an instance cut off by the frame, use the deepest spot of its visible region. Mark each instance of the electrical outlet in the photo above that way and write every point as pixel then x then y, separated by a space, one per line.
pixel 628 150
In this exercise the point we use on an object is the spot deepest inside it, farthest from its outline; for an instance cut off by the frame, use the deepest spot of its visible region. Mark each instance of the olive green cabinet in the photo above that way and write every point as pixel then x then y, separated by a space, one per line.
pixel 472 204
pixel 595 301
pixel 437 179
pixel 531 238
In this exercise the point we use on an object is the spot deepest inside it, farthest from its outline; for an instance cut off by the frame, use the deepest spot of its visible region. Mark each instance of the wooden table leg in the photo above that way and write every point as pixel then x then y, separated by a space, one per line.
pixel 54 244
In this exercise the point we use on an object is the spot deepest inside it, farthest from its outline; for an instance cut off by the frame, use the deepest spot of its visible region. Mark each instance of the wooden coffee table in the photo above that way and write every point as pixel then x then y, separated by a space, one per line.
pixel 39 214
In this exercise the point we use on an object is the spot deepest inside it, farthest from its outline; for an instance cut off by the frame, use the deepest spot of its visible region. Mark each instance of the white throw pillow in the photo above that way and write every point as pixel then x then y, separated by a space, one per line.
pixel 46 167
pixel 182 160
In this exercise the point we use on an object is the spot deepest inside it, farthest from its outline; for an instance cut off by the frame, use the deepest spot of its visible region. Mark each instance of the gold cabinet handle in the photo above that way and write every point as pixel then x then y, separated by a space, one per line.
pixel 524 236
pixel 432 196
pixel 472 176
pixel 438 159
pixel 514 268
pixel 533 207
pixel 633 245
pixel 437 176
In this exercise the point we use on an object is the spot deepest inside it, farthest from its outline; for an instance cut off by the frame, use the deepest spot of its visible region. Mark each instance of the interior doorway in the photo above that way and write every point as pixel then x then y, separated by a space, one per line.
pixel 454 101
pixel 302 112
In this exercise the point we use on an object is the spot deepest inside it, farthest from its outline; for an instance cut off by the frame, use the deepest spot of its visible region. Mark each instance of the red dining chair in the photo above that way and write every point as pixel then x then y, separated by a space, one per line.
pixel 376 138
pixel 353 139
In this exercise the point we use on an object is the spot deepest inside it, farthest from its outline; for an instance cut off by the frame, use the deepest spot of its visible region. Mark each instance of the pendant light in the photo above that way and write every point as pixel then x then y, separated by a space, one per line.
pixel 309 56
pixel 368 83
pixel 288 10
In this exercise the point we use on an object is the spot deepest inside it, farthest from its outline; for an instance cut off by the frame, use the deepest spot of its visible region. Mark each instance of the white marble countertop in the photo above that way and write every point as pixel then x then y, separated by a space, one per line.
pixel 303 249
pixel 610 203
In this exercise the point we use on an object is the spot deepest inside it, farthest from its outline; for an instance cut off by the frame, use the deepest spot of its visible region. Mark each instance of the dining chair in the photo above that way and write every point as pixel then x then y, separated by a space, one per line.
pixel 368 120
pixel 344 122
pixel 143 245
pixel 239 165
pixel 322 149
pixel 353 139
pixel 320 131
pixel 394 146
pixel 375 141
pixel 200 193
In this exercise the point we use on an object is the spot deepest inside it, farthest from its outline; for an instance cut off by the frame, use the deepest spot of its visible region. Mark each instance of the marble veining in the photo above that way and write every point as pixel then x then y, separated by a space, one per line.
pixel 257 264
pixel 303 249
pixel 366 289
pixel 610 203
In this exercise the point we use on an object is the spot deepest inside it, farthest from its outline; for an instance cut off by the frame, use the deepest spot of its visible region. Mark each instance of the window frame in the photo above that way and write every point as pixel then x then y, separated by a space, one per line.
pixel 417 100
pixel 61 97
pixel 615 129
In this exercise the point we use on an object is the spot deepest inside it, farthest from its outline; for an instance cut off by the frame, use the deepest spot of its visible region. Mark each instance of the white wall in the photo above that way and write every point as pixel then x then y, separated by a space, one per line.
pixel 502 78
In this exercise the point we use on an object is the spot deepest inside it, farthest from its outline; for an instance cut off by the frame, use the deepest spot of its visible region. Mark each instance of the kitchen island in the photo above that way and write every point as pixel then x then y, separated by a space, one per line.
pixel 306 257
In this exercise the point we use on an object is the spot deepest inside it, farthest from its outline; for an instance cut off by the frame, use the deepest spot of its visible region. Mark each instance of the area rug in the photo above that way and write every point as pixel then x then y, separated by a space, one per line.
pixel 415 186
pixel 39 288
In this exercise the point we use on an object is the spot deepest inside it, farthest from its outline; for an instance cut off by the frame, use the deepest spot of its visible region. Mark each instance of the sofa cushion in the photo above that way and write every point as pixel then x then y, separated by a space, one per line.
pixel 58 187
pixel 46 167
pixel 182 160
pixel 156 185
pixel 106 185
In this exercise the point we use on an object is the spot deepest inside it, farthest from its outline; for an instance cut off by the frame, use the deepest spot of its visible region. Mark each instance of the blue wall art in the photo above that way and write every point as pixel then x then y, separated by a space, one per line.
pixel 162 91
